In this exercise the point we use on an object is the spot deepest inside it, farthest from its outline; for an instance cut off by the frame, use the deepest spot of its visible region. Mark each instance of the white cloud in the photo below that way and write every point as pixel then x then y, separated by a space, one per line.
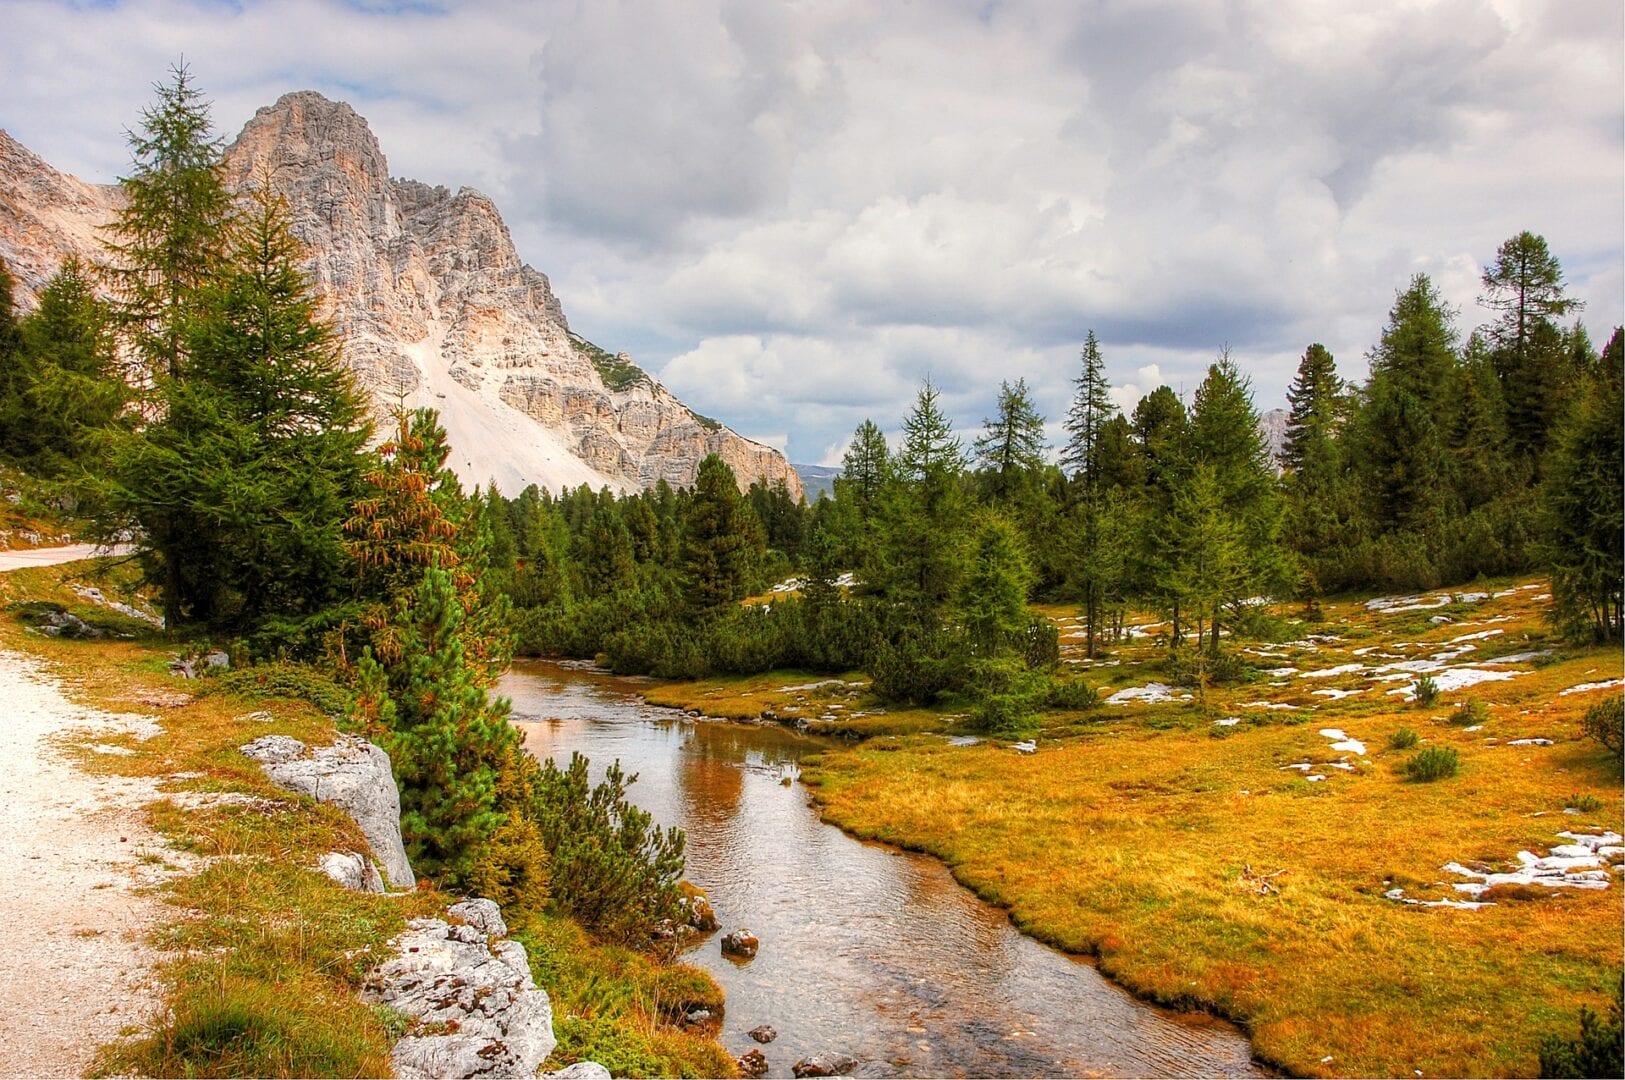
pixel 795 213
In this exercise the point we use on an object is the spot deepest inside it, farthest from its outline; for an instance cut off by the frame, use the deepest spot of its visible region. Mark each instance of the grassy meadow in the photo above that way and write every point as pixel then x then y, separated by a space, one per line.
pixel 1173 841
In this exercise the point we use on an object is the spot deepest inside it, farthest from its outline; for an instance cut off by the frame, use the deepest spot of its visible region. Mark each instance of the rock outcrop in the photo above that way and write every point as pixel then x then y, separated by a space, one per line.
pixel 476 1010
pixel 432 304
pixel 353 775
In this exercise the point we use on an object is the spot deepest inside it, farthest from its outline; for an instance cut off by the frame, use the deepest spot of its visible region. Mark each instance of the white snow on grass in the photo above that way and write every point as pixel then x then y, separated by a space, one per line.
pixel 1333 672
pixel 1151 694
pixel 1267 705
pixel 1342 741
pixel 1336 695
pixel 1479 636
pixel 1584 688
pixel 1530 742
pixel 1229 721
pixel 1519 657
pixel 1393 604
pixel 1459 679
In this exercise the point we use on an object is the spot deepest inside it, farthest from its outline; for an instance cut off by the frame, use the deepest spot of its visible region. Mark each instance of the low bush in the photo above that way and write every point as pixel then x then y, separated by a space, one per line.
pixel 1403 739
pixel 293 682
pixel 1595 1052
pixel 1470 714
pixel 1427 691
pixel 612 868
pixel 1433 763
pixel 1070 693
pixel 1586 804
pixel 1605 722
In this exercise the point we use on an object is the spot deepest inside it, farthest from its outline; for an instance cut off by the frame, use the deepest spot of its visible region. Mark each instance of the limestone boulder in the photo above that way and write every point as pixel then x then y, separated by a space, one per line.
pixel 353 775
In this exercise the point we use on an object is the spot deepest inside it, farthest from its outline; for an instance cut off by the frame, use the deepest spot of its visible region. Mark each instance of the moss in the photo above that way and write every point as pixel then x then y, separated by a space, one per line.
pixel 618 374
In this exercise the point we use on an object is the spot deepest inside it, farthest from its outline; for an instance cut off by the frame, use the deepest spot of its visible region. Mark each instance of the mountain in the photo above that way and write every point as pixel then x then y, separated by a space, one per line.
pixel 432 304
pixel 1272 426
pixel 817 480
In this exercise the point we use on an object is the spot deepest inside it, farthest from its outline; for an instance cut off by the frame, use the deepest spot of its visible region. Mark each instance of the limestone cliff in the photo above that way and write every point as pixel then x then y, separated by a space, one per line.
pixel 432 303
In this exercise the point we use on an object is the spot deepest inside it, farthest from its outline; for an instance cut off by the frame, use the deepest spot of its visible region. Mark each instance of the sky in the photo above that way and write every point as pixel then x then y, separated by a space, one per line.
pixel 793 213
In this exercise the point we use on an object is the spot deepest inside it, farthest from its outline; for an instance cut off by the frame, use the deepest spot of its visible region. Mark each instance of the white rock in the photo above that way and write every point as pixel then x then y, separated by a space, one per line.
pixel 353 775
pixel 481 914
pixel 353 870
pixel 500 1024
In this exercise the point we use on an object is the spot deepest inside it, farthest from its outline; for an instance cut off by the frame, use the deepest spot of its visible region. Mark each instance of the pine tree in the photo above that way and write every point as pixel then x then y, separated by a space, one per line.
pixel 13 379
pixel 920 557
pixel 722 540
pixel 1401 448
pixel 1583 524
pixel 1312 421
pixel 1209 565
pixel 865 468
pixel 1012 450
pixel 992 600
pixel 1091 411
pixel 69 390
pixel 1228 447
pixel 240 488
pixel 447 738
pixel 1525 284
pixel 168 238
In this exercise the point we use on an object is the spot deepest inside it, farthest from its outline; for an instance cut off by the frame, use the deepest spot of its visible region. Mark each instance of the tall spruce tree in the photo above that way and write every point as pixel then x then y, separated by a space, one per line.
pixel 1011 451
pixel 447 737
pixel 1312 519
pixel 1583 524
pixel 1525 284
pixel 167 241
pixel 1402 447
pixel 920 558
pixel 240 488
pixel 722 540
pixel 1226 443
pixel 68 390
pixel 1086 420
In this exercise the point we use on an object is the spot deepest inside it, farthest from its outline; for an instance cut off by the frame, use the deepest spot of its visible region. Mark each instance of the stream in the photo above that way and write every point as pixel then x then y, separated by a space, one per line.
pixel 866 950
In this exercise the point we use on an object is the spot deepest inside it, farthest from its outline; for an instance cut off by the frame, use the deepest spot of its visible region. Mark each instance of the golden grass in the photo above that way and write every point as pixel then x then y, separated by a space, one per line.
pixel 1128 838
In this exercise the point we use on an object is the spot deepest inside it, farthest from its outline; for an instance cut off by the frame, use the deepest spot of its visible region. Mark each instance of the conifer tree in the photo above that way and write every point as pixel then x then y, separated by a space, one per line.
pixel 1226 444
pixel 68 388
pixel 722 540
pixel 168 241
pixel 1584 526
pixel 1402 451
pixel 1209 564
pixel 993 598
pixel 1312 419
pixel 240 488
pixel 446 736
pixel 12 380
pixel 1525 284
pixel 921 557
pixel 865 468
pixel 1012 449
pixel 1091 411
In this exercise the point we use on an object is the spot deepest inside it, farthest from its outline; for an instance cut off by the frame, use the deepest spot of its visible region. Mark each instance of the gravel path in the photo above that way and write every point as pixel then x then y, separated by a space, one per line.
pixel 21 557
pixel 76 971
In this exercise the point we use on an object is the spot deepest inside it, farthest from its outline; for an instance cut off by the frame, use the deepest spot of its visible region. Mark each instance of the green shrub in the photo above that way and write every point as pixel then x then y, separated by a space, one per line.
pixel 612 868
pixel 1403 739
pixel 1586 804
pixel 1596 1052
pixel 1433 763
pixel 1427 691
pixel 295 682
pixel 1470 714
pixel 1605 722
pixel 1070 693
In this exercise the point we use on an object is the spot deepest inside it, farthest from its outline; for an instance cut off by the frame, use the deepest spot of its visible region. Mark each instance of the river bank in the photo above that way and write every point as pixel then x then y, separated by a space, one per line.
pixel 244 958
pixel 866 951
pixel 1244 857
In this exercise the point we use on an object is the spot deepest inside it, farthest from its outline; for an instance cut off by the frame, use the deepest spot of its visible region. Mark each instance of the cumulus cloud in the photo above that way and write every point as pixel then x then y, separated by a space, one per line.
pixel 794 214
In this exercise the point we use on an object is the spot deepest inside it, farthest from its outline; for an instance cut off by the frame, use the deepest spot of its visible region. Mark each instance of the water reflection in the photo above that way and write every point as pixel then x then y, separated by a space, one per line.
pixel 865 950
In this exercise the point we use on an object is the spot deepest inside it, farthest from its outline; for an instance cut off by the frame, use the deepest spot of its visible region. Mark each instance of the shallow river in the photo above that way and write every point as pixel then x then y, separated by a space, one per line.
pixel 866 950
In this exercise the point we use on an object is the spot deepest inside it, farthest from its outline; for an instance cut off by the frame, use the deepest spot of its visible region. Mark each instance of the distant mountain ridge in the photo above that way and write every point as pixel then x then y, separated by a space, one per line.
pixel 431 302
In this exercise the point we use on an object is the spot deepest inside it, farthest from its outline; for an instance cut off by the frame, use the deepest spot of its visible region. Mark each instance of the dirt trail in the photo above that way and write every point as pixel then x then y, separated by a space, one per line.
pixel 76 971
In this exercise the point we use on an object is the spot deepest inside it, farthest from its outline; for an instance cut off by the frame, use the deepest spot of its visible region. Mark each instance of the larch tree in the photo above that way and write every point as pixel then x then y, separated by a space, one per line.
pixel 1011 451
pixel 722 540
pixel 1583 523
pixel 1525 285
pixel 1088 424
pixel 167 241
